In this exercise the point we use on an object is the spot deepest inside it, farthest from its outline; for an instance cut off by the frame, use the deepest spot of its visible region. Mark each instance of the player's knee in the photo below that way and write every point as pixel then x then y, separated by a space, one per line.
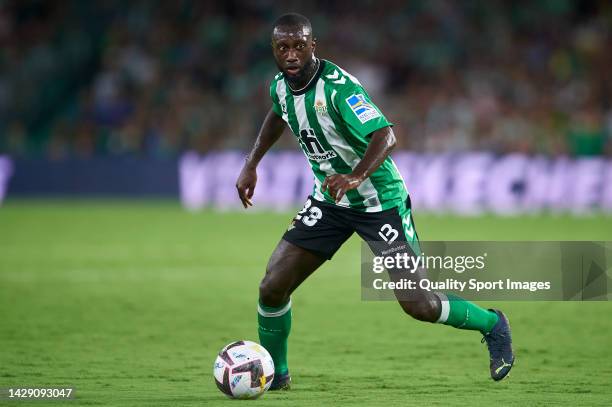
pixel 271 293
pixel 421 310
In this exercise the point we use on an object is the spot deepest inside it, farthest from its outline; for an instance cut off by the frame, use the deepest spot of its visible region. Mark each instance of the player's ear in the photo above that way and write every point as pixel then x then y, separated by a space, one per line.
pixel 314 43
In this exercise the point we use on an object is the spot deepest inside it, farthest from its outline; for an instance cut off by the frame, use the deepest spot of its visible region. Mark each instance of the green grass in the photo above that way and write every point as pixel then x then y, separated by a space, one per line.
pixel 129 302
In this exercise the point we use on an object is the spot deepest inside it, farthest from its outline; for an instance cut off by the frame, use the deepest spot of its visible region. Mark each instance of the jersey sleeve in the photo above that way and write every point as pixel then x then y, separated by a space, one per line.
pixel 275 102
pixel 358 111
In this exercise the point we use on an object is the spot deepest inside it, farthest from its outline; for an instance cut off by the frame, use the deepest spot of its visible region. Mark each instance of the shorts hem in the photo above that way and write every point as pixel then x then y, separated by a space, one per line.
pixel 301 245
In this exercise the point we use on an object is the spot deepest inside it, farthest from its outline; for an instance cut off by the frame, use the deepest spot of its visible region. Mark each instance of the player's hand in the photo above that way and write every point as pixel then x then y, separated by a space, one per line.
pixel 338 184
pixel 246 185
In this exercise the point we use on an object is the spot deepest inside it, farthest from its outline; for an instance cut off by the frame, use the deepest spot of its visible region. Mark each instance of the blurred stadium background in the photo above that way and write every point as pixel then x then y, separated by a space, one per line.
pixel 130 299
pixel 104 97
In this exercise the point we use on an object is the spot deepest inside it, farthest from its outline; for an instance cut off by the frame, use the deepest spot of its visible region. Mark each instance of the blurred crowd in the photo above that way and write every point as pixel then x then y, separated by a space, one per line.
pixel 155 78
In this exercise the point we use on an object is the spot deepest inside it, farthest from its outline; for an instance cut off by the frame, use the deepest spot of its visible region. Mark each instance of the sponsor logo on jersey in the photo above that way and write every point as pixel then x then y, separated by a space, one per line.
pixel 312 147
pixel 284 108
pixel 320 107
pixel 362 109
pixel 328 155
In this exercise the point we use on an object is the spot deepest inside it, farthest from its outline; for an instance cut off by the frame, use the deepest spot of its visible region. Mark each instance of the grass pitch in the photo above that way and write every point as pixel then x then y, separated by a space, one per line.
pixel 129 303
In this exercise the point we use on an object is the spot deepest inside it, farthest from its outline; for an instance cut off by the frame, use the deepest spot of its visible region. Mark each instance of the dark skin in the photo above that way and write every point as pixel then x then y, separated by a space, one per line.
pixel 293 49
pixel 289 265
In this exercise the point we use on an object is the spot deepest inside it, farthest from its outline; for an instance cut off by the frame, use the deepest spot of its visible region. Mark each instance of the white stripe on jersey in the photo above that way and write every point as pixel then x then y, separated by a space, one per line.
pixel 333 100
pixel 317 190
pixel 302 118
pixel 281 92
pixel 346 152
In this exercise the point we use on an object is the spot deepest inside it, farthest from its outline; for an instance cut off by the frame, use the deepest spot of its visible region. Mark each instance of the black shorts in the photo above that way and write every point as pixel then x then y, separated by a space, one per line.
pixel 321 228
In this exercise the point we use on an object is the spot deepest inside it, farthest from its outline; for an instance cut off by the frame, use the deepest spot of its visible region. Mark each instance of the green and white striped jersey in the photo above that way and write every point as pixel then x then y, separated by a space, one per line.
pixel 333 118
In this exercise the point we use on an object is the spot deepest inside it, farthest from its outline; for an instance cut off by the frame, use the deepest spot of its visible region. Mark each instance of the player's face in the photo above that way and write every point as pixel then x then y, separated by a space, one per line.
pixel 293 50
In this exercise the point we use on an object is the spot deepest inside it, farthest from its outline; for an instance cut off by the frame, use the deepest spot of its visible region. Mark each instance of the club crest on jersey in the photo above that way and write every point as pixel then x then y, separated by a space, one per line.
pixel 320 107
pixel 362 109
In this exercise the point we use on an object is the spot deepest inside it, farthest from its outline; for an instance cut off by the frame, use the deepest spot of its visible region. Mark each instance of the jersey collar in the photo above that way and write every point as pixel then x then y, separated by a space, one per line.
pixel 313 81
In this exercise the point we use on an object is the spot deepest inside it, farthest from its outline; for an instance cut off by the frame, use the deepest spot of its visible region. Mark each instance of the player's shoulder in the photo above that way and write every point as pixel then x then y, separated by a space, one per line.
pixel 338 78
pixel 274 84
pixel 278 77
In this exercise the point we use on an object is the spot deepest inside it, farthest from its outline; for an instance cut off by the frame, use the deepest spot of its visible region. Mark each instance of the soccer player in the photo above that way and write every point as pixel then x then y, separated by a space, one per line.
pixel 358 188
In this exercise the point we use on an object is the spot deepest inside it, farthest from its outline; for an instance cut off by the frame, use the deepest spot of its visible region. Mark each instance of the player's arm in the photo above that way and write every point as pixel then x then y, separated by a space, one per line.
pixel 271 129
pixel 382 142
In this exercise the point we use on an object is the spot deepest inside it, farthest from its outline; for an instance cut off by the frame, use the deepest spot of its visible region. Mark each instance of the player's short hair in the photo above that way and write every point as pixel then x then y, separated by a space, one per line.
pixel 292 20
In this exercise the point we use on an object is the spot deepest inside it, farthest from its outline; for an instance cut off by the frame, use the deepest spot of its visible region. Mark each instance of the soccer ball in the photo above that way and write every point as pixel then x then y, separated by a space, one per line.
pixel 243 370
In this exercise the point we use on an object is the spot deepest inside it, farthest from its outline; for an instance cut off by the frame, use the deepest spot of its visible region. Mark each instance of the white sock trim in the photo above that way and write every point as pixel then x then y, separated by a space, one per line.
pixel 278 313
pixel 445 305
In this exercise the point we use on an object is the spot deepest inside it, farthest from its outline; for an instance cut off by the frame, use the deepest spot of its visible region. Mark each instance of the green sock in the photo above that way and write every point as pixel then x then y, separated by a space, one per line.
pixel 274 328
pixel 463 314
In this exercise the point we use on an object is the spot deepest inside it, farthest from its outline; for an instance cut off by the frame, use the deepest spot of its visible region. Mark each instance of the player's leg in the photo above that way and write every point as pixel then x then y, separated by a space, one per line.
pixel 448 309
pixel 395 227
pixel 385 233
pixel 312 238
pixel 287 268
